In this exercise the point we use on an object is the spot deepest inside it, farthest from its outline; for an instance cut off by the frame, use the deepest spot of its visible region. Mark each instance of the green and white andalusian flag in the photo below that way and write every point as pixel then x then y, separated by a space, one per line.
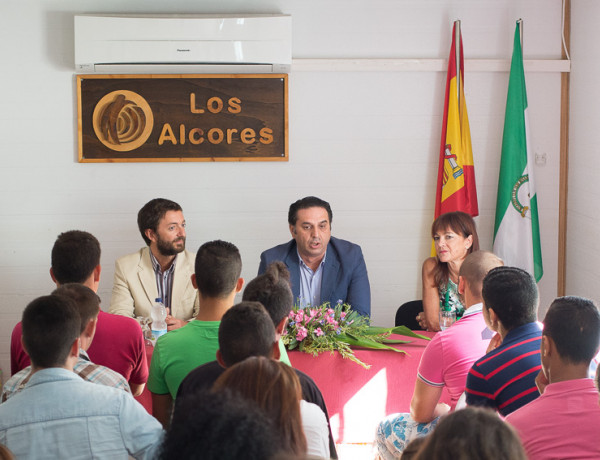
pixel 517 228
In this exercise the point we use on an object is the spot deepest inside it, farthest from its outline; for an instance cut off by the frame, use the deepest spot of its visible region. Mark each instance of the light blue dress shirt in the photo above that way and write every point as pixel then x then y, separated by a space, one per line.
pixel 59 415
pixel 310 284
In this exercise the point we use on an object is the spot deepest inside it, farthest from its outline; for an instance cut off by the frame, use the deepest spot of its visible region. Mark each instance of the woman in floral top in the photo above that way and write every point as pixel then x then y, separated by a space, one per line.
pixel 455 236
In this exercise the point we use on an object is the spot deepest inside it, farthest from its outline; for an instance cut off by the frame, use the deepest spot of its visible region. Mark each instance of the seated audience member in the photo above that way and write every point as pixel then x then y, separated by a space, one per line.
pixel 322 268
pixel 161 269
pixel 445 362
pixel 59 415
pixel 275 387
pixel 217 278
pixel 273 290
pixel 564 422
pixel 118 341
pixel 472 433
pixel 88 305
pixel 219 426
pixel 504 379
pixel 247 330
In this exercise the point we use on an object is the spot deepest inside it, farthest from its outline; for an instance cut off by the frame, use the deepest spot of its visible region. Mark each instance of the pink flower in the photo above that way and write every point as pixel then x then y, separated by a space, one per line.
pixel 292 315
pixel 313 313
pixel 319 332
pixel 332 321
pixel 330 311
pixel 300 316
pixel 302 333
pixel 343 314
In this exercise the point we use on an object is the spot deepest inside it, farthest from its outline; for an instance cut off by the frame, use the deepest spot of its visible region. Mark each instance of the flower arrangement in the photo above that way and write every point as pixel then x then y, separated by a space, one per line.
pixel 315 330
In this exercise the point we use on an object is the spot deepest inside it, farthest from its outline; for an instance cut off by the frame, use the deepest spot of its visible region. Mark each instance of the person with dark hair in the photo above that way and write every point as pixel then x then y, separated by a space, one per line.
pixel 58 414
pixel 118 342
pixel 472 433
pixel 445 363
pixel 275 387
pixel 322 268
pixel 412 448
pixel 219 426
pixel 455 237
pixel 247 330
pixel 88 306
pixel 272 289
pixel 162 269
pixel 74 257
pixel 235 341
pixel 217 279
pixel 504 378
pixel 564 421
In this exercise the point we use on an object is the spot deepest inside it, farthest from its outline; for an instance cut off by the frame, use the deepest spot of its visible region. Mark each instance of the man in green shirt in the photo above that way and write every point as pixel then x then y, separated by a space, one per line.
pixel 217 277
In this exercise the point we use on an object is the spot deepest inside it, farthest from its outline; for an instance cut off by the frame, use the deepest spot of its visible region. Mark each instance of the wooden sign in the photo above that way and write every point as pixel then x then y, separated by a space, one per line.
pixel 182 117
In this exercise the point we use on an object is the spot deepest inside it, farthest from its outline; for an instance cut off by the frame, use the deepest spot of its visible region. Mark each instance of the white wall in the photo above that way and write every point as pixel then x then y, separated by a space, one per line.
pixel 365 141
pixel 583 252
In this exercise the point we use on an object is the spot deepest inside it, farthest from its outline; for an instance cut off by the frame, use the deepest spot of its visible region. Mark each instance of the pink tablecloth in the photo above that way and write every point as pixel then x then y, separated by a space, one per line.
pixel 357 398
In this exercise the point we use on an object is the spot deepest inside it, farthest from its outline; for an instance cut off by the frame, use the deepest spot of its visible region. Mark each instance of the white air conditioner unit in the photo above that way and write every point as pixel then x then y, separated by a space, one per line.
pixel 183 44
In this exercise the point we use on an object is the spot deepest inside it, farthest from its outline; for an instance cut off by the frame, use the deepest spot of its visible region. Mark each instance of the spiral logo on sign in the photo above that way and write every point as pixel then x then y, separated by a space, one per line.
pixel 123 120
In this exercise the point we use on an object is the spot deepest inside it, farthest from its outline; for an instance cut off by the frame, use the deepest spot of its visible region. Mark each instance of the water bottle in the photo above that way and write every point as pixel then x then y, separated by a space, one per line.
pixel 159 313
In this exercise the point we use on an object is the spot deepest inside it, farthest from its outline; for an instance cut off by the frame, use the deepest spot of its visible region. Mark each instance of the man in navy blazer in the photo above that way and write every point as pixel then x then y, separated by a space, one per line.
pixel 322 268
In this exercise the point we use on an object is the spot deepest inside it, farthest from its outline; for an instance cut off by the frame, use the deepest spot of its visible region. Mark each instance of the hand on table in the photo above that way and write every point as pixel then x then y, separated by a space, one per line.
pixel 422 321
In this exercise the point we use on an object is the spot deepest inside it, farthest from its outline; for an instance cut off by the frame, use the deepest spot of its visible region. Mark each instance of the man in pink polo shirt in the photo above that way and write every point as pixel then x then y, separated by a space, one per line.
pixel 445 362
pixel 564 422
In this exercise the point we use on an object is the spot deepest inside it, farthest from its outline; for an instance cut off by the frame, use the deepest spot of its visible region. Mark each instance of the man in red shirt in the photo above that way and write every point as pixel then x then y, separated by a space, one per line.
pixel 118 342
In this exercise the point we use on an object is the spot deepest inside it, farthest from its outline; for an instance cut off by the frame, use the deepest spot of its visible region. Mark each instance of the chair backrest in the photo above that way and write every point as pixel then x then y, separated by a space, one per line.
pixel 407 313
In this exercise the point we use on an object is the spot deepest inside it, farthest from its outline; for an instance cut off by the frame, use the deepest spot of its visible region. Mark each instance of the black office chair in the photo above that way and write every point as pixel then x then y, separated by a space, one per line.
pixel 407 313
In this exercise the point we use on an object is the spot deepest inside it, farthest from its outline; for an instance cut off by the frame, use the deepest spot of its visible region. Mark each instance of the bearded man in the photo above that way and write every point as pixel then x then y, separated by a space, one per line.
pixel 162 269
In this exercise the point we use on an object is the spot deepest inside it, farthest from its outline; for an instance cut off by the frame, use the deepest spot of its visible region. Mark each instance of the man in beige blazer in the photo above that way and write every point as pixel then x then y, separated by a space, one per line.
pixel 162 269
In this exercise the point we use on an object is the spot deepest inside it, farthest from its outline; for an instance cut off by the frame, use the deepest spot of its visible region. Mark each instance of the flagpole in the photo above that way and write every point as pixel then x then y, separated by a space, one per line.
pixel 457 43
pixel 520 22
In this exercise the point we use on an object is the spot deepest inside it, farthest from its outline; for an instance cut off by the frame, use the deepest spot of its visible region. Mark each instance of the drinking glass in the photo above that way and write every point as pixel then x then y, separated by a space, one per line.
pixel 447 319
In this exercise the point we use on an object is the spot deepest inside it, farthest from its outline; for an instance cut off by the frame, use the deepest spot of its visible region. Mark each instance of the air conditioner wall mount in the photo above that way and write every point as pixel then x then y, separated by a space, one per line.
pixel 183 44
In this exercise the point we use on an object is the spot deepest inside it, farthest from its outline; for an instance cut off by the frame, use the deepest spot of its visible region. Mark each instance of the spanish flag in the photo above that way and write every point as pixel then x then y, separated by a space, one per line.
pixel 456 175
